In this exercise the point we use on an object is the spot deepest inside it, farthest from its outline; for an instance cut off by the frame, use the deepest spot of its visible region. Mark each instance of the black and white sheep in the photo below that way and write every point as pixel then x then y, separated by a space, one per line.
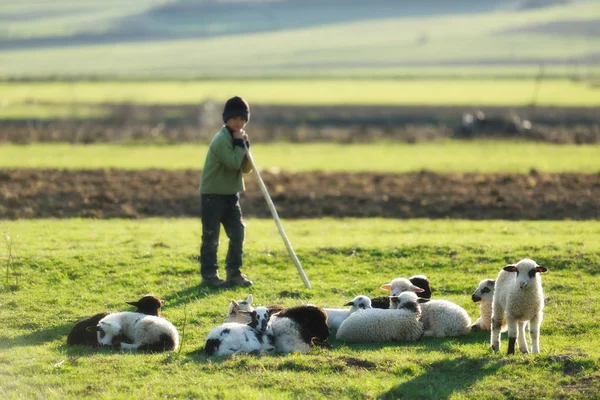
pixel 417 283
pixel 518 299
pixel 300 328
pixel 484 294
pixel 79 335
pixel 147 332
pixel 335 316
pixel 380 325
pixel 236 338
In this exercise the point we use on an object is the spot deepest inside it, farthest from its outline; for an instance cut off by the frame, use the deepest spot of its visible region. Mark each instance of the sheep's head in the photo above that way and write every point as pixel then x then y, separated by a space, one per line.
pixel 106 332
pixel 526 271
pixel 400 285
pixel 485 291
pixel 148 304
pixel 423 282
pixel 259 318
pixel 359 303
pixel 238 310
pixel 408 301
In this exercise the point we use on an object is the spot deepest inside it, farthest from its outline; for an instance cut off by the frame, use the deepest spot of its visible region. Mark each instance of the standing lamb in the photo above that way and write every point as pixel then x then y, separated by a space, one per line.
pixel 379 325
pixel 148 332
pixel 519 299
pixel 335 316
pixel 148 304
pixel 484 294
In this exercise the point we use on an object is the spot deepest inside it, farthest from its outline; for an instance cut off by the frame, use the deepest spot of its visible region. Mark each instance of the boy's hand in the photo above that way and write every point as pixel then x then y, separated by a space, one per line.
pixel 240 135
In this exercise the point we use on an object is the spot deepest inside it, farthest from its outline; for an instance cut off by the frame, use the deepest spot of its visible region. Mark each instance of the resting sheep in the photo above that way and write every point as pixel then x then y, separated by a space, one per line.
pixel 379 325
pixel 79 335
pixel 484 294
pixel 442 318
pixel 147 332
pixel 299 329
pixel 235 338
pixel 237 311
pixel 518 299
pixel 335 316
pixel 417 283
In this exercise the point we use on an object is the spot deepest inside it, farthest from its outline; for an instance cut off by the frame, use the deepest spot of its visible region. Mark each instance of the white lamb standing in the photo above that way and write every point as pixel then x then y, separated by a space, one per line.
pixel 148 332
pixel 484 295
pixel 385 325
pixel 518 299
pixel 335 316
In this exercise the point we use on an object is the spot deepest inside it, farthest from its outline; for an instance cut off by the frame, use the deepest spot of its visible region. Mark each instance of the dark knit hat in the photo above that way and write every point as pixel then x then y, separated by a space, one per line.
pixel 236 106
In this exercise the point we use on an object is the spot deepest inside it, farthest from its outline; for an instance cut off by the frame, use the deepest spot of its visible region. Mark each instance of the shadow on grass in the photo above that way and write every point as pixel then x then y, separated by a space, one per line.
pixel 38 337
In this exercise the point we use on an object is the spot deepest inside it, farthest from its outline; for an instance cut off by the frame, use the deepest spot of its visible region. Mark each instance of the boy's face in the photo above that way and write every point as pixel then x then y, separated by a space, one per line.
pixel 236 123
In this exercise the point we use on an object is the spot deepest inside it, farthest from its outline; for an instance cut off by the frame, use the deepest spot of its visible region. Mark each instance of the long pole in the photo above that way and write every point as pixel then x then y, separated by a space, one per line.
pixel 286 241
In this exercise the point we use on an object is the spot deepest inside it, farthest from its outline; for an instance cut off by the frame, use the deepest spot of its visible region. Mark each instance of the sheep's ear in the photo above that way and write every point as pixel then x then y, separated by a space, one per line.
pixel 249 299
pixel 416 289
pixel 541 269
pixel 387 286
pixel 94 328
pixel 510 268
pixel 235 305
pixel 422 300
pixel 350 303
pixel 133 303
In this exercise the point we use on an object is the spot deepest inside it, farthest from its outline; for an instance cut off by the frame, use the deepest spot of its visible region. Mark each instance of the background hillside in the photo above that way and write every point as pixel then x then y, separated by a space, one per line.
pixel 291 37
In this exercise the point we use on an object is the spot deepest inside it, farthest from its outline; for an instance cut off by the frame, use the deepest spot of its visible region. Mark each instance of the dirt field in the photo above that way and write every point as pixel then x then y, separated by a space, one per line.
pixel 157 193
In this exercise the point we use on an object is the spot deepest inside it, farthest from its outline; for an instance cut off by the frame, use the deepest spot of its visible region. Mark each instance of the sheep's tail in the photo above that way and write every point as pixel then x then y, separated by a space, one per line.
pixel 165 343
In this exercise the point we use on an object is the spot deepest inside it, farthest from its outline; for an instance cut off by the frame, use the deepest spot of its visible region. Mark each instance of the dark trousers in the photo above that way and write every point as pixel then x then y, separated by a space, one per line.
pixel 220 209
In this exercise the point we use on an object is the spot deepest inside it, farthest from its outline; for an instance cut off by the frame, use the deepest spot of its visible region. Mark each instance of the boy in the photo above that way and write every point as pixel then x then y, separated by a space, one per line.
pixel 219 193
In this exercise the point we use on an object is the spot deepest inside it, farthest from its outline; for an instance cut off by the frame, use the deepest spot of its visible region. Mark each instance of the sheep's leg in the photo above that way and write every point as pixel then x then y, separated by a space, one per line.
pixel 512 335
pixel 497 320
pixel 130 346
pixel 534 330
pixel 522 339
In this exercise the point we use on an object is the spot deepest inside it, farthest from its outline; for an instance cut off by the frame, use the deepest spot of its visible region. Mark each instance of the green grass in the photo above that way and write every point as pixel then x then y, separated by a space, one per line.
pixel 440 156
pixel 392 43
pixel 468 92
pixel 68 269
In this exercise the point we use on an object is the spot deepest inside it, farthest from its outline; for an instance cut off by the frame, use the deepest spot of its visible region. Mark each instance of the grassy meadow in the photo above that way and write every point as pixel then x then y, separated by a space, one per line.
pixel 62 270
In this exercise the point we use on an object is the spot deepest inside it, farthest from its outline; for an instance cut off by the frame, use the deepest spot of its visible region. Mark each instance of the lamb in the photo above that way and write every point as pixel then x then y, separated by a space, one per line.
pixel 236 338
pixel 238 311
pixel 518 299
pixel 442 318
pixel 379 325
pixel 484 294
pixel 148 332
pixel 300 328
pixel 79 335
pixel 335 316
pixel 417 283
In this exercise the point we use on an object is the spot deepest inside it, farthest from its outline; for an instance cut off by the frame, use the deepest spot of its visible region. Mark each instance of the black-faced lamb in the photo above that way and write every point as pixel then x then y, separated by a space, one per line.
pixel 380 325
pixel 518 299
pixel 79 335
pixel 417 283
pixel 335 316
pixel 149 333
pixel 484 294
pixel 236 338
pixel 300 328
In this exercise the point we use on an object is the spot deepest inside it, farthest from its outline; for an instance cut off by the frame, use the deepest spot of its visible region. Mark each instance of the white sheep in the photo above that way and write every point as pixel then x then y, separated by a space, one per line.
pixel 147 331
pixel 235 338
pixel 400 285
pixel 381 325
pixel 300 328
pixel 518 299
pixel 335 316
pixel 442 318
pixel 234 313
pixel 484 294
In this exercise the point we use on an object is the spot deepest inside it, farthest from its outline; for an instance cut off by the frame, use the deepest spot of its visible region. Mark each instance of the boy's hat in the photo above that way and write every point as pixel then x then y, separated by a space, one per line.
pixel 236 106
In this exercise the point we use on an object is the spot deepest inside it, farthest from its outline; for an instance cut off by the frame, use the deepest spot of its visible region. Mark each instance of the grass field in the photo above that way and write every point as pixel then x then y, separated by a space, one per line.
pixel 465 92
pixel 64 270
pixel 440 156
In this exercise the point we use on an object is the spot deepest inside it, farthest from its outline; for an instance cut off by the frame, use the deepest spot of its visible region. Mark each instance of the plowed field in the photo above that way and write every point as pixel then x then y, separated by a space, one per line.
pixel 159 193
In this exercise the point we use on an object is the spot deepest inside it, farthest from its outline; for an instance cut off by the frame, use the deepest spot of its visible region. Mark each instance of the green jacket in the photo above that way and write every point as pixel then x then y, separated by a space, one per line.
pixel 222 173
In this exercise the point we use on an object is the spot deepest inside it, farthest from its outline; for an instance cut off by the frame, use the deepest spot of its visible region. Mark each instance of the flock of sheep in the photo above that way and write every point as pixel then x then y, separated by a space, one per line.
pixel 511 302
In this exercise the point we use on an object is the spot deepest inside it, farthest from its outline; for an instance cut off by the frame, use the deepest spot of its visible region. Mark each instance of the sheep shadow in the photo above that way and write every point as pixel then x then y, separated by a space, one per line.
pixel 445 378
pixel 37 337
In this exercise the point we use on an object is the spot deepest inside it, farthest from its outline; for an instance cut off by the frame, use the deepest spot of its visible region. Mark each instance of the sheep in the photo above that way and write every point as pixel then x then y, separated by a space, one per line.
pixel 236 338
pixel 518 299
pixel 399 285
pixel 379 325
pixel 148 332
pixel 484 295
pixel 442 318
pixel 148 304
pixel 300 328
pixel 335 316
pixel 237 311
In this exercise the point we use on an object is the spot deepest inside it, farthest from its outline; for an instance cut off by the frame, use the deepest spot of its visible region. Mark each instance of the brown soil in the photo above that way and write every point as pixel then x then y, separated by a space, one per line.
pixel 158 193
